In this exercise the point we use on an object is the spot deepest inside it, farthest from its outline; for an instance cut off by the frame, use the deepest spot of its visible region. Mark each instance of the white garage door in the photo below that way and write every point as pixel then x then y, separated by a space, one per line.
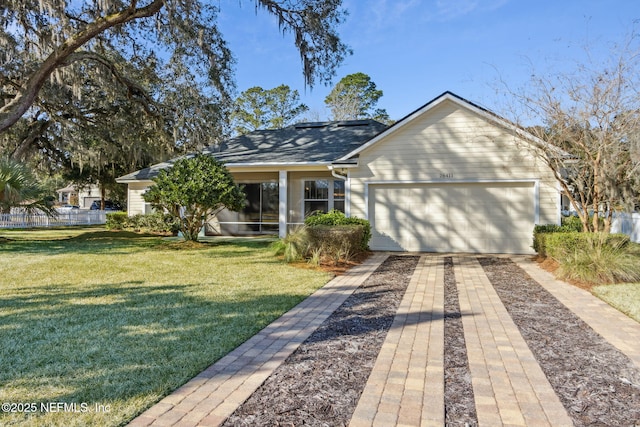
pixel 456 217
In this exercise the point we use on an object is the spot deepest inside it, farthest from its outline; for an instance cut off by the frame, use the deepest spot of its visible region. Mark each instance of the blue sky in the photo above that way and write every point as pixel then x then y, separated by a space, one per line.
pixel 415 50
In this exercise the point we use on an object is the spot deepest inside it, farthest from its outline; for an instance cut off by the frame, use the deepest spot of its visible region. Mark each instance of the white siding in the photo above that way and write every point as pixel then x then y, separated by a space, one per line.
pixel 135 202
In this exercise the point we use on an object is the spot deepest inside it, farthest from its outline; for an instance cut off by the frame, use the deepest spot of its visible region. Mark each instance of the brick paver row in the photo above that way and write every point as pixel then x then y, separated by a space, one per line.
pixel 406 386
pixel 212 396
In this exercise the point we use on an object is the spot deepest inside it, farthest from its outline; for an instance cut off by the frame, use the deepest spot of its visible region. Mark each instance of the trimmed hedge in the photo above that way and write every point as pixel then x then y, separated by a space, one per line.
pixel 596 258
pixel 540 233
pixel 335 242
pixel 337 218
pixel 326 238
pixel 116 220
pixel 572 222
pixel 560 245
pixel 154 223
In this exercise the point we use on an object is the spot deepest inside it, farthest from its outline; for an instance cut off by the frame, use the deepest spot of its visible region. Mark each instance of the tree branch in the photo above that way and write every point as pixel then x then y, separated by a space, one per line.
pixel 134 89
pixel 26 95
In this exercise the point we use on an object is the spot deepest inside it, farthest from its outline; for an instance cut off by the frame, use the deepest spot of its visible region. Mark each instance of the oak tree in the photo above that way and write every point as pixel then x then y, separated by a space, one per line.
pixel 52 43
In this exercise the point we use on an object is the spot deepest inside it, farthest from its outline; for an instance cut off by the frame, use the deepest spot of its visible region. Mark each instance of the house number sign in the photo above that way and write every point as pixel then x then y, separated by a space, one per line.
pixel 446 175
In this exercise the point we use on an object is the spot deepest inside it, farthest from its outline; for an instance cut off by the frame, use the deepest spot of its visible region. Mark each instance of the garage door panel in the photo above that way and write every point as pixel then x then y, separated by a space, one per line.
pixel 486 217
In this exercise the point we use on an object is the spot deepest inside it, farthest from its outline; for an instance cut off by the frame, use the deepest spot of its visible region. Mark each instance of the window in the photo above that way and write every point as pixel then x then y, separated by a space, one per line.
pixel 322 195
pixel 261 210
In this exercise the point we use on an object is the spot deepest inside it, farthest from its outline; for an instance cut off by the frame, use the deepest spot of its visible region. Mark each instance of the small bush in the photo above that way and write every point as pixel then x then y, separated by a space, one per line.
pixel 335 243
pixel 335 217
pixel 321 244
pixel 540 233
pixel 559 245
pixel 116 220
pixel 572 223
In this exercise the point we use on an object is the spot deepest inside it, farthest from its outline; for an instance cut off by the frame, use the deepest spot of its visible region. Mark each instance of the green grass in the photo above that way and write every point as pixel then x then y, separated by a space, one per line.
pixel 120 320
pixel 624 296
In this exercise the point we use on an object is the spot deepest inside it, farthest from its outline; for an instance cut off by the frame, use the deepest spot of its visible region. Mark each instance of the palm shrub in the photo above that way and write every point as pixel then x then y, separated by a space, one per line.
pixel 598 258
pixel 295 246
pixel 20 189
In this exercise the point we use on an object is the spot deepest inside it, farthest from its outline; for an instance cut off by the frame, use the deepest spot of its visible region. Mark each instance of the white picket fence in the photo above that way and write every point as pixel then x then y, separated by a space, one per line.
pixel 627 223
pixel 71 217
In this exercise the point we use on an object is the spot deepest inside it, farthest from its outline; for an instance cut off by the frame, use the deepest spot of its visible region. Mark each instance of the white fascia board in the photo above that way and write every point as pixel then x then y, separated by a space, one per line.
pixel 275 164
pixel 131 181
pixel 454 181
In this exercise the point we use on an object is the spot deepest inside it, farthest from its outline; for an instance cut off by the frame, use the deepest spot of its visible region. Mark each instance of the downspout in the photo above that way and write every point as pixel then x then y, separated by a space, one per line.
pixel 335 174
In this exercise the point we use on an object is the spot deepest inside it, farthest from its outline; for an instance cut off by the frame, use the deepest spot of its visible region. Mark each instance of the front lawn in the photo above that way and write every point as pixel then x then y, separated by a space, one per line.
pixel 119 320
pixel 623 296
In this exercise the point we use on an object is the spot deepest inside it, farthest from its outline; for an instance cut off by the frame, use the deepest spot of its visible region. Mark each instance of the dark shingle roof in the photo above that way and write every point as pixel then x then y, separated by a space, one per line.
pixel 317 142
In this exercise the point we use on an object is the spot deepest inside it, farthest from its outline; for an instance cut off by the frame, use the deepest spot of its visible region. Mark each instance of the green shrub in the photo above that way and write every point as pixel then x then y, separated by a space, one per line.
pixel 560 245
pixel 598 258
pixel 335 243
pixel 572 223
pixel 116 220
pixel 329 244
pixel 540 233
pixel 335 217
pixel 154 223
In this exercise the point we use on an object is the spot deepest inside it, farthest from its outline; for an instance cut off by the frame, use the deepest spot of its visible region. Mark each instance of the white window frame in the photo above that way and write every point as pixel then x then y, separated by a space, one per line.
pixel 330 190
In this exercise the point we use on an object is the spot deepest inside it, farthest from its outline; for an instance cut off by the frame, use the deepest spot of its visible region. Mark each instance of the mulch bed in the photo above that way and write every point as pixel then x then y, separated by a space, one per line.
pixel 321 382
pixel 596 383
pixel 459 403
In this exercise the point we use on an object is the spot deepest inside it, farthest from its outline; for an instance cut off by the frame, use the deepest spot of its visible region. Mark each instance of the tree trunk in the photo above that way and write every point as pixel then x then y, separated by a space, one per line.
pixel 607 220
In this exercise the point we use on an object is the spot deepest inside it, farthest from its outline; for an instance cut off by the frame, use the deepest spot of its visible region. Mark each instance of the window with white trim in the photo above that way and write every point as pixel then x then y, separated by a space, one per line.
pixel 323 195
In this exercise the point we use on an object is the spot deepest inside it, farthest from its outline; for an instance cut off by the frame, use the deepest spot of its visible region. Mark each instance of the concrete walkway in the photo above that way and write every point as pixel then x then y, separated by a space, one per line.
pixel 406 386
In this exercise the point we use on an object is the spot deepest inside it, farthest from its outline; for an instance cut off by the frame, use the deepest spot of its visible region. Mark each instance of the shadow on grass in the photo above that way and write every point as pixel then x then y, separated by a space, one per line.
pixel 117 341
pixel 91 242
pixel 126 242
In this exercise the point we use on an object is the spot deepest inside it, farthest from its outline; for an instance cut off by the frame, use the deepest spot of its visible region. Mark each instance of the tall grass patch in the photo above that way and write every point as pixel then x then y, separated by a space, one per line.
pixel 596 258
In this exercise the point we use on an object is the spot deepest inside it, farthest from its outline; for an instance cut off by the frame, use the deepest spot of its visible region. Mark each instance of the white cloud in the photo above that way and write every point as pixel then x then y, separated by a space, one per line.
pixel 382 13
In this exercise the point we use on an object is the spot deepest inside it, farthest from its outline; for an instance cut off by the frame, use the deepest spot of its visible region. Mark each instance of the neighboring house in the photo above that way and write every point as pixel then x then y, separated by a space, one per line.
pixel 83 197
pixel 451 176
